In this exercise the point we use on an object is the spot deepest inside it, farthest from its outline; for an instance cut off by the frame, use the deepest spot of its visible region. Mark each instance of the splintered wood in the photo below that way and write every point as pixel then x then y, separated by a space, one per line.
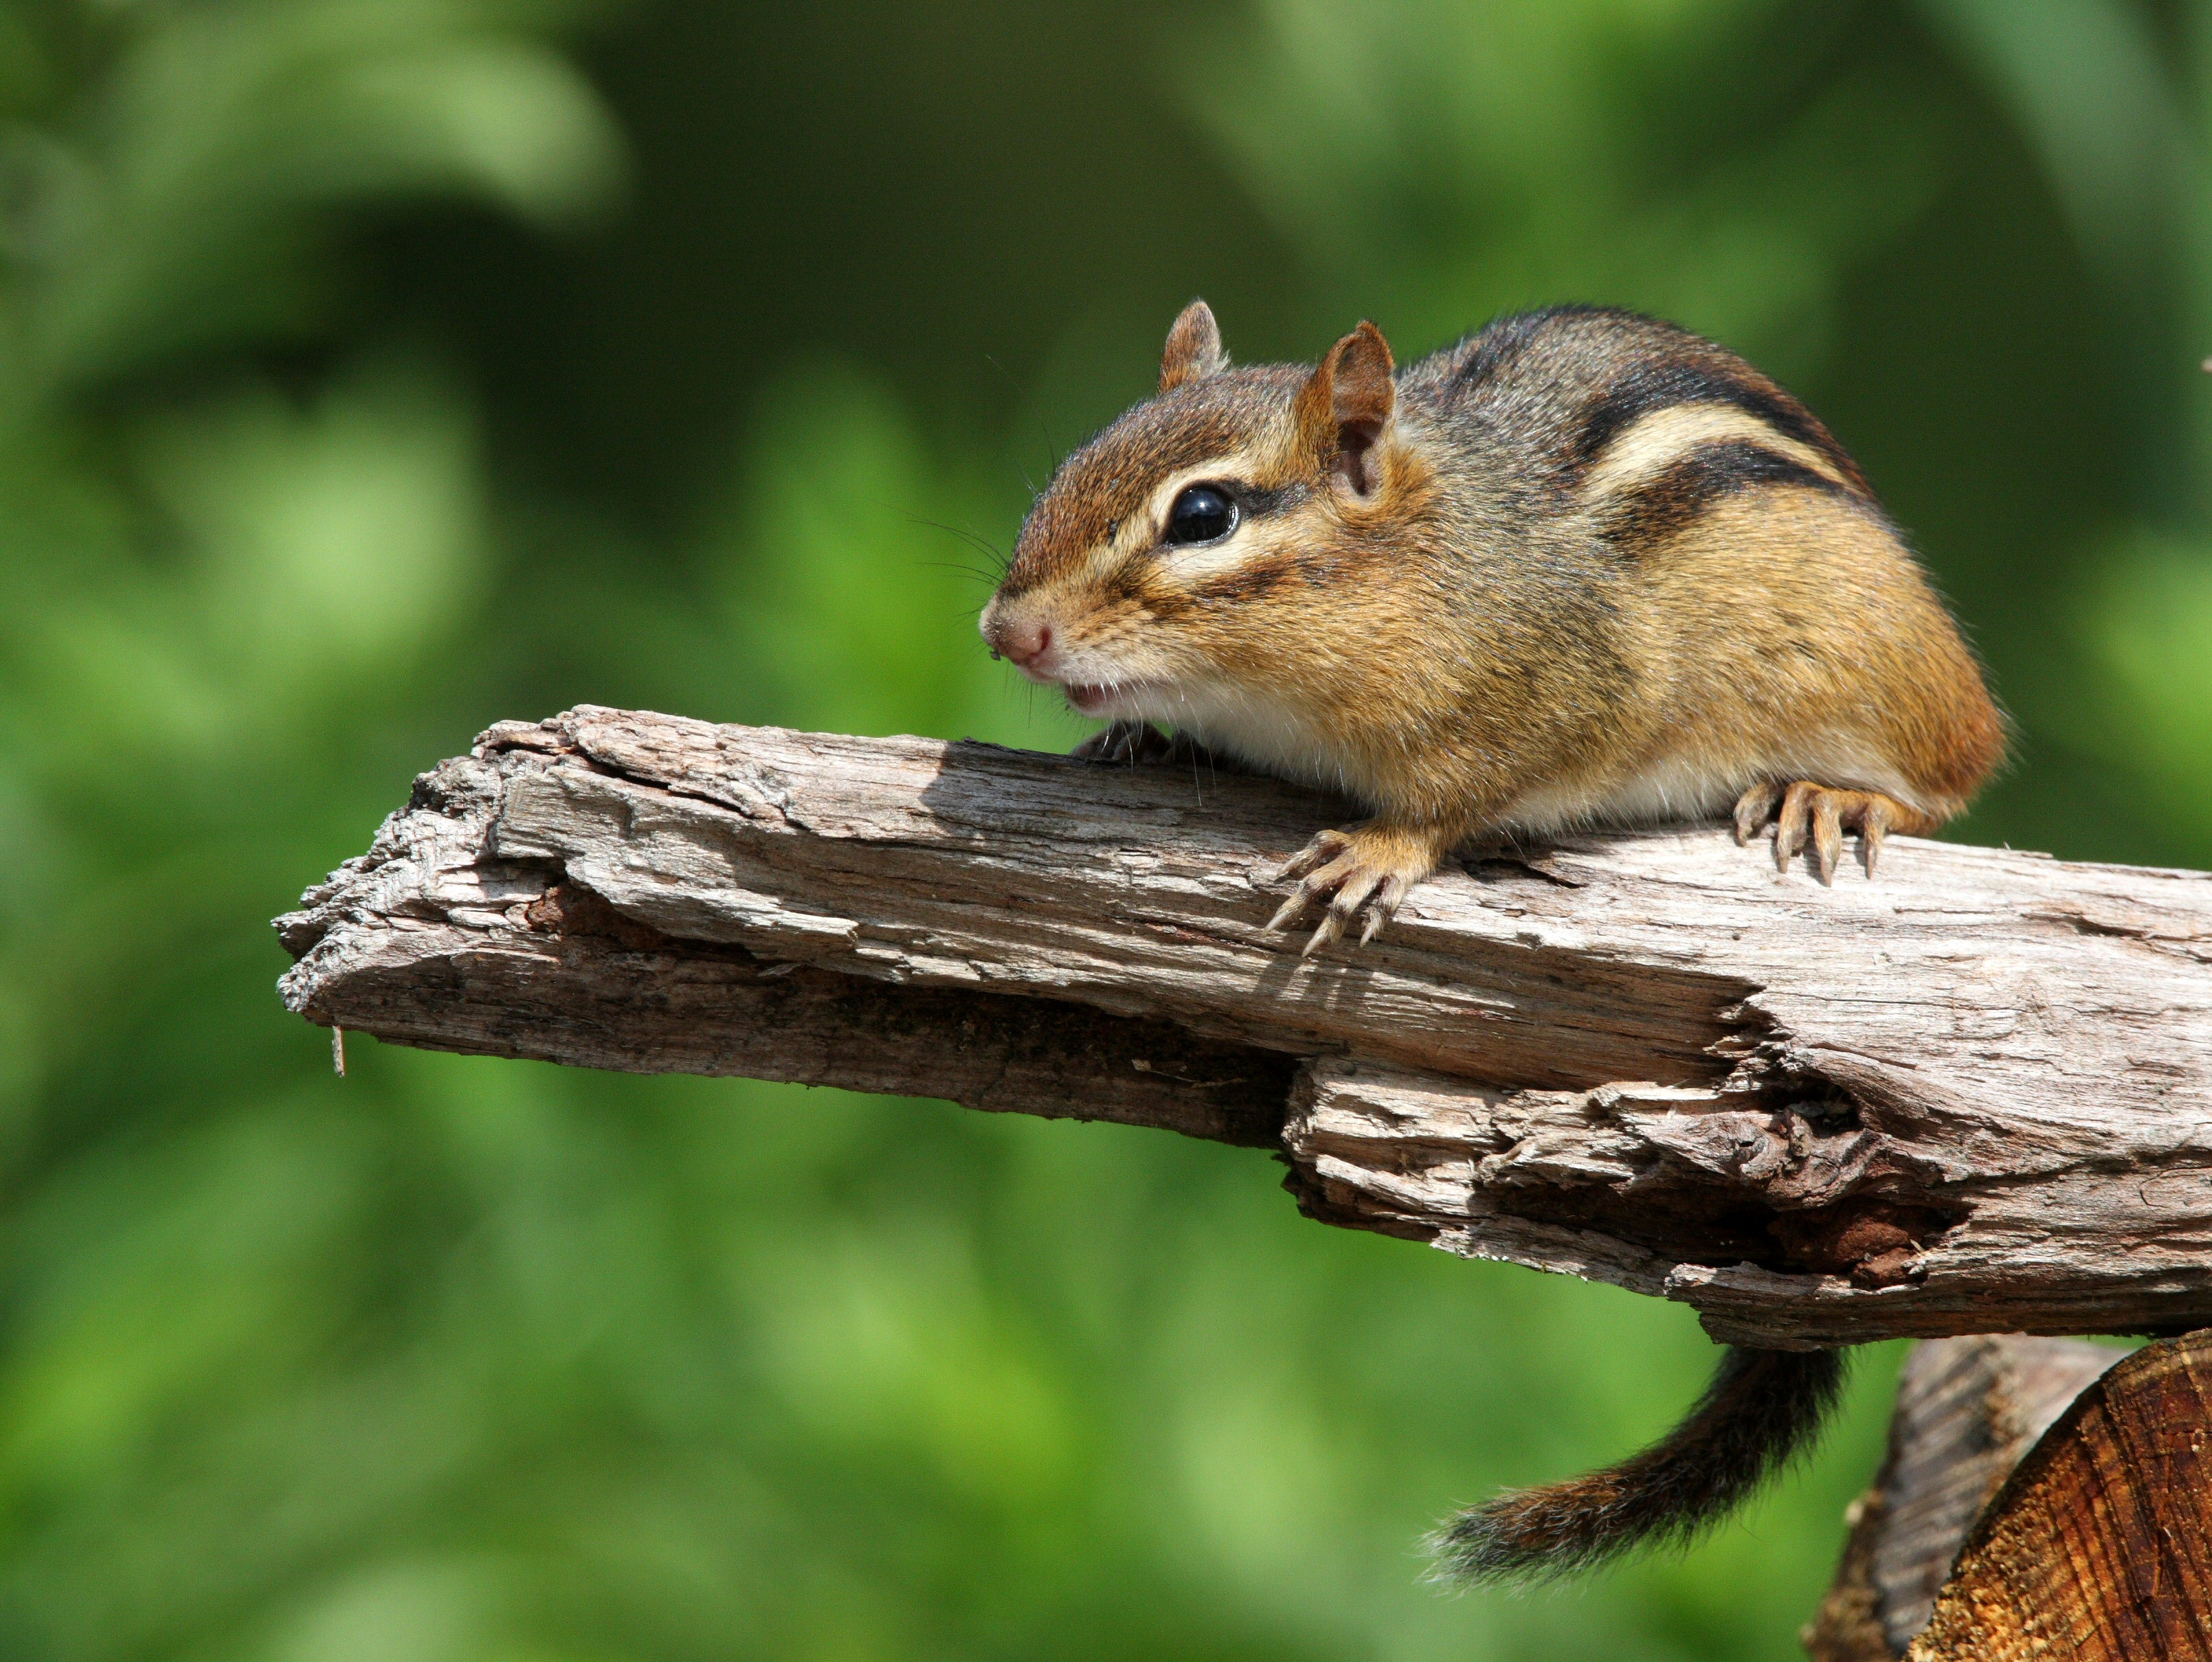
pixel 1975 1094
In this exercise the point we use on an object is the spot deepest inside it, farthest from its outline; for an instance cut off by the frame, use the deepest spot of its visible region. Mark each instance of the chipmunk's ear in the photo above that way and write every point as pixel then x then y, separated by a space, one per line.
pixel 1344 408
pixel 1194 348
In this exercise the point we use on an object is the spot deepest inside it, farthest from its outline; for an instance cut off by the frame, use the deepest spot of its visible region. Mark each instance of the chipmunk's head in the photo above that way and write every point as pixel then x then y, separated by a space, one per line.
pixel 1159 577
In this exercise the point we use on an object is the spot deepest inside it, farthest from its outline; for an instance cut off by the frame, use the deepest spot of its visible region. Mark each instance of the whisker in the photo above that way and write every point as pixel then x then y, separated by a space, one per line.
pixel 965 571
pixel 974 539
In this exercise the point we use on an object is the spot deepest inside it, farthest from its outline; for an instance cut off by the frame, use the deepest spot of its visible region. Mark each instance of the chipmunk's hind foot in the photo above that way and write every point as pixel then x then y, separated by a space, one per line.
pixel 1823 813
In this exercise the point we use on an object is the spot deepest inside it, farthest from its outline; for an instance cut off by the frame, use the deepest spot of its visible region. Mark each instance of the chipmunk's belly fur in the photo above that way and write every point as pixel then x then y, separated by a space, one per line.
pixel 1672 788
pixel 1266 735
pixel 1651 788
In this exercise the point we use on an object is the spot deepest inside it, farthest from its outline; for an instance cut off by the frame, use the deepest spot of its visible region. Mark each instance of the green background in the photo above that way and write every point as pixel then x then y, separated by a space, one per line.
pixel 374 369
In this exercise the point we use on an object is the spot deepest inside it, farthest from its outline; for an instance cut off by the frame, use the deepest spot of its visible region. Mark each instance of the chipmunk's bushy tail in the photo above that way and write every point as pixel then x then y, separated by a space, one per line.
pixel 1762 1408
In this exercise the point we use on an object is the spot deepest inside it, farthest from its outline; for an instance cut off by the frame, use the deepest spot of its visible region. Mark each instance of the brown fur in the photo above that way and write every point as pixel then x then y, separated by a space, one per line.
pixel 1581 568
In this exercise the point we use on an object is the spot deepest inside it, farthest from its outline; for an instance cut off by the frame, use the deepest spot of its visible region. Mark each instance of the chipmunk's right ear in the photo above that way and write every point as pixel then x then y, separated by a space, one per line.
pixel 1345 407
pixel 1194 348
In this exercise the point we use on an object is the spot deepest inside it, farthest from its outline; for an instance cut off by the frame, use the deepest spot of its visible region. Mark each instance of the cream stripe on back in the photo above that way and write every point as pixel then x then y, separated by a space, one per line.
pixel 1650 445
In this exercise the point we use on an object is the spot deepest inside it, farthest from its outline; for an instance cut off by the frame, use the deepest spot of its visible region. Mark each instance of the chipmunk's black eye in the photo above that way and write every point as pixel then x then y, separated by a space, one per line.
pixel 1200 515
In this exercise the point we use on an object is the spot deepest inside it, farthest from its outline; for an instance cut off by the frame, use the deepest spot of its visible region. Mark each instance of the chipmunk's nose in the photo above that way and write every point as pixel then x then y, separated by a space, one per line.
pixel 1026 642
pixel 1023 639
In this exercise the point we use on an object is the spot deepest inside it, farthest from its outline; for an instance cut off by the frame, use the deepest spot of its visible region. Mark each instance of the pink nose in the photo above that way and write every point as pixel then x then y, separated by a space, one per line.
pixel 1024 643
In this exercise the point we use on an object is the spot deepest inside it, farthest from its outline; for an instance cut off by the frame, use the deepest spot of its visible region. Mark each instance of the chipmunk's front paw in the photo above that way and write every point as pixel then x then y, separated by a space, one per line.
pixel 1827 812
pixel 1362 873
pixel 1126 741
pixel 1139 744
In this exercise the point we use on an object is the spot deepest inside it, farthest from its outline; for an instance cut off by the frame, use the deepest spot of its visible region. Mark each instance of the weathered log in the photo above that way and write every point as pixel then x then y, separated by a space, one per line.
pixel 1967 1410
pixel 1973 1094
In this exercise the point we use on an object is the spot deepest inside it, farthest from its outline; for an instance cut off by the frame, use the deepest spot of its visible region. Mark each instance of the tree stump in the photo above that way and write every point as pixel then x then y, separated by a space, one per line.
pixel 2042 1499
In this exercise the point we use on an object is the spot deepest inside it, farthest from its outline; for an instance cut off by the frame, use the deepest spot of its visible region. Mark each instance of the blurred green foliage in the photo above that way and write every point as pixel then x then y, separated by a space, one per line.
pixel 371 369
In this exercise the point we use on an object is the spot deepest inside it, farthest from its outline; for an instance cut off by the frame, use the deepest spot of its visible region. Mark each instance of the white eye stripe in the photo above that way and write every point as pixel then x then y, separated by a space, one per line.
pixel 1142 531
pixel 1194 565
pixel 1250 544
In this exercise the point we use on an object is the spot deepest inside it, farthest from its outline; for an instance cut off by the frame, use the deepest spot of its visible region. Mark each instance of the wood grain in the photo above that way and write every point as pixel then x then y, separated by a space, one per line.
pixel 1967 1410
pixel 1975 1094
pixel 2096 1548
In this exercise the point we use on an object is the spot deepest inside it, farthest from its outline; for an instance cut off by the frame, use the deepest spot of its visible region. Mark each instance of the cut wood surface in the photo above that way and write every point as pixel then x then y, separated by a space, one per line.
pixel 1967 1410
pixel 2096 1549
pixel 1974 1095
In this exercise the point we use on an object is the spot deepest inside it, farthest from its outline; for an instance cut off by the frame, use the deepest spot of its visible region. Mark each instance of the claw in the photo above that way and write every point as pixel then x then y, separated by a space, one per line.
pixel 1382 906
pixel 1325 846
pixel 1363 874
pixel 1873 828
pixel 1823 813
pixel 1331 931
pixel 1789 830
pixel 1754 809
pixel 1354 883
pixel 1827 835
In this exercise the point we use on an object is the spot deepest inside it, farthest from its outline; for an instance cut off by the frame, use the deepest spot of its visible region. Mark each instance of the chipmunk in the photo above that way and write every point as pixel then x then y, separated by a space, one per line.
pixel 1581 568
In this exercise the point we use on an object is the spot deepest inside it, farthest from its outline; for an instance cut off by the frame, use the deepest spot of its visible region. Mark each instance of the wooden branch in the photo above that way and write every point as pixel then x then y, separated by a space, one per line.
pixel 1974 1095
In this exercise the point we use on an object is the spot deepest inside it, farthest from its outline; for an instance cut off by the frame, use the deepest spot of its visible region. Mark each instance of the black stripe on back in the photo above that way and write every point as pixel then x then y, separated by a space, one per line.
pixel 1497 344
pixel 1656 386
pixel 1654 509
